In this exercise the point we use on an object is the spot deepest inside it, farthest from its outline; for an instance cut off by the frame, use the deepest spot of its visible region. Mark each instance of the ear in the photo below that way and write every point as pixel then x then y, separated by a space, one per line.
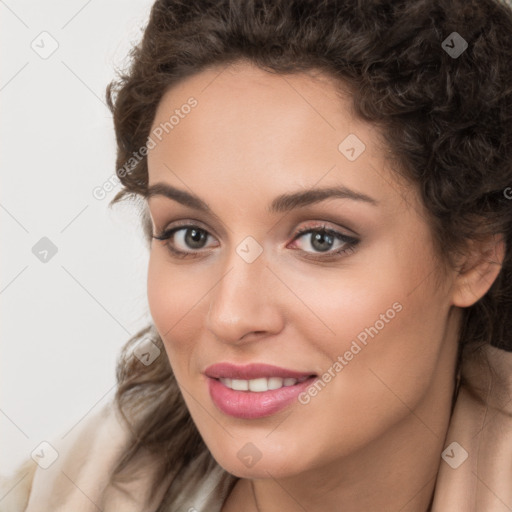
pixel 479 270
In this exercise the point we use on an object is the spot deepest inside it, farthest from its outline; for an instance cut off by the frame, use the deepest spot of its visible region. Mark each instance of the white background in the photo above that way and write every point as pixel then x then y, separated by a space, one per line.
pixel 63 322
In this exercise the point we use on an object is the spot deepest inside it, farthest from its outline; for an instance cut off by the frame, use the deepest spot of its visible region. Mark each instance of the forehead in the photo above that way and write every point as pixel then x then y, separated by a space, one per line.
pixel 242 94
pixel 258 130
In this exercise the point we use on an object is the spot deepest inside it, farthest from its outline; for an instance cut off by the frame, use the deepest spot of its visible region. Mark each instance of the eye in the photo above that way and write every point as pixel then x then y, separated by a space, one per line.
pixel 188 239
pixel 322 239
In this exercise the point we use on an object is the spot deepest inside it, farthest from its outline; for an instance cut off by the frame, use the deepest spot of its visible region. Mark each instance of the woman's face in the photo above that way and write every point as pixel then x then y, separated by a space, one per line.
pixel 359 309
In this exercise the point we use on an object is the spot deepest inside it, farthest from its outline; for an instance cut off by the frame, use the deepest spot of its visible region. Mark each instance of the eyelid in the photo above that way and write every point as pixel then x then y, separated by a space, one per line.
pixel 330 231
pixel 186 224
pixel 329 223
pixel 317 224
pixel 165 217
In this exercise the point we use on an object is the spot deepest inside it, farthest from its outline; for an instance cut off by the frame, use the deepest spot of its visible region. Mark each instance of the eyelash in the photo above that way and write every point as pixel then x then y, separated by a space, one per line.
pixel 348 248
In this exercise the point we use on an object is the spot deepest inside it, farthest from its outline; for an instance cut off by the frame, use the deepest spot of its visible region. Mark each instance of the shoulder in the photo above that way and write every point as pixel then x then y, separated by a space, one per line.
pixel 479 439
pixel 15 488
pixel 74 469
pixel 79 476
pixel 83 462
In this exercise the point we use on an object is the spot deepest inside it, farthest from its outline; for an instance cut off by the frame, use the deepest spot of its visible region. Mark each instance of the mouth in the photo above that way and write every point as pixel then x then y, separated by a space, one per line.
pixel 252 371
pixel 255 390
pixel 262 384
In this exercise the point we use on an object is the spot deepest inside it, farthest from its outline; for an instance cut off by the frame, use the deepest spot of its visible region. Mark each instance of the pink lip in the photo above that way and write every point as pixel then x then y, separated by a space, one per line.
pixel 249 404
pixel 251 371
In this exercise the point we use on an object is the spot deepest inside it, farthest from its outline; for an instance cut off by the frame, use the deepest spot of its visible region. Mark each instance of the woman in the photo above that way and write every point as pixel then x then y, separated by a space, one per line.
pixel 325 190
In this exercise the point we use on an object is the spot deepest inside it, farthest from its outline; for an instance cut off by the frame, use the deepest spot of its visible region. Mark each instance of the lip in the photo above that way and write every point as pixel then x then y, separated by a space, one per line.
pixel 249 404
pixel 251 371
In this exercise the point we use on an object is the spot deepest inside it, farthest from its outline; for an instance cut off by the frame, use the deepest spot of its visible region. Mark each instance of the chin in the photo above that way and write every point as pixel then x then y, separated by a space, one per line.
pixel 260 458
pixel 261 469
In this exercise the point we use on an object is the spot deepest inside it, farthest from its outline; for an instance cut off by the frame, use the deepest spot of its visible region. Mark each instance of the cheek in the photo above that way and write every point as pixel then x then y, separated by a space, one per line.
pixel 162 294
pixel 384 295
pixel 380 334
pixel 174 298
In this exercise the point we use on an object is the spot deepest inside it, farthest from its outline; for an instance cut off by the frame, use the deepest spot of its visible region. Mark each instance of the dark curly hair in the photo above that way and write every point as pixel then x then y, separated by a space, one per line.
pixel 446 121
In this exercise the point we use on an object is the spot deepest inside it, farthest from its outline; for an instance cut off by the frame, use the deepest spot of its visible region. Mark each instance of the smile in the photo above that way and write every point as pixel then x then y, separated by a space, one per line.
pixel 260 385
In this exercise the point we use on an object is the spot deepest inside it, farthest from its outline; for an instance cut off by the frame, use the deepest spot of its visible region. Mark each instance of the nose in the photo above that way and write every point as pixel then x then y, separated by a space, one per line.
pixel 245 304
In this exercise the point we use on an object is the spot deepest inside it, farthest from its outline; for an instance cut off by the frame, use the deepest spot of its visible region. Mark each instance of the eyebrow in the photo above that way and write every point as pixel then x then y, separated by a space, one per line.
pixel 282 203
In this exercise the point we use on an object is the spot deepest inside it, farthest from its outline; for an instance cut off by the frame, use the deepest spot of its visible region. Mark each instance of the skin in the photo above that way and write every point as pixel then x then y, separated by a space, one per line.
pixel 372 438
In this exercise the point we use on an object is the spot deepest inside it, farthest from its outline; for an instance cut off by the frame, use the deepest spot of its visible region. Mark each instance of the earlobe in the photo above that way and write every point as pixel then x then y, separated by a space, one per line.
pixel 479 271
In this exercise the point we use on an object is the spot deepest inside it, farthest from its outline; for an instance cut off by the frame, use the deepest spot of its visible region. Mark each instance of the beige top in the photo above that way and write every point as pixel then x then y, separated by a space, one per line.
pixel 481 425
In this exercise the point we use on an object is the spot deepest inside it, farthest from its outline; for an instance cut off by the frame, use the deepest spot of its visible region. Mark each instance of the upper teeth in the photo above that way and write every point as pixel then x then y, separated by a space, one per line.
pixel 259 385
